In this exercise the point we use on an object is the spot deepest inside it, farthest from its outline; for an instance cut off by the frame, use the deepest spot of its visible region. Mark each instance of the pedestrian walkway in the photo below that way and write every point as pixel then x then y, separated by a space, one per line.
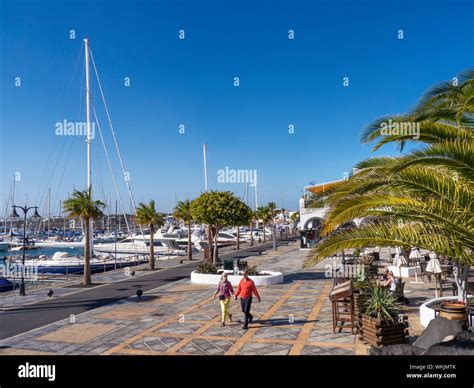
pixel 180 318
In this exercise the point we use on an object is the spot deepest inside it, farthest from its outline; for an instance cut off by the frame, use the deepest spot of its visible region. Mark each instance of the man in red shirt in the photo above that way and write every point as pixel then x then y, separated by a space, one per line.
pixel 246 289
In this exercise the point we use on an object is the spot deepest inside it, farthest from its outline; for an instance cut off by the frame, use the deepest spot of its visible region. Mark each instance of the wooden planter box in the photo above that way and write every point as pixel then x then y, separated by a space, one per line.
pixel 377 333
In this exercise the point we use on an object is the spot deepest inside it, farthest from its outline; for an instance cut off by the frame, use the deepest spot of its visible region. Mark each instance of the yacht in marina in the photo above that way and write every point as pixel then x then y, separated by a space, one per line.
pixel 140 244
pixel 65 263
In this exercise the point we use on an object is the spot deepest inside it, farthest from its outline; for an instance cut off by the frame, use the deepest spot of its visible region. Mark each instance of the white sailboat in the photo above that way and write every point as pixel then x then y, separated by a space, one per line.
pixel 140 244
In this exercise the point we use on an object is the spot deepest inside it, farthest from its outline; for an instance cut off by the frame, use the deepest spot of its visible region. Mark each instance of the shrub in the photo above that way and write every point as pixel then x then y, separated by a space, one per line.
pixel 206 267
pixel 252 271
pixel 382 304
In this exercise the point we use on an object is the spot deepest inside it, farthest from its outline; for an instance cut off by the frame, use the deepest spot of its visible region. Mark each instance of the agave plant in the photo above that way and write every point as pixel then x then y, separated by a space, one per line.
pixel 421 198
pixel 382 304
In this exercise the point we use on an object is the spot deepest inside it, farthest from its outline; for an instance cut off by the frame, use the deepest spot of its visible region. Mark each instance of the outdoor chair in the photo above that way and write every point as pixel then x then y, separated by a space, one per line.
pixel 399 292
pixel 423 272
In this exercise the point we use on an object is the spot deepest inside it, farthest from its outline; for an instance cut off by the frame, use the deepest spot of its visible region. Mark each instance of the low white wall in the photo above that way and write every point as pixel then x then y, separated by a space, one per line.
pixel 262 280
pixel 427 313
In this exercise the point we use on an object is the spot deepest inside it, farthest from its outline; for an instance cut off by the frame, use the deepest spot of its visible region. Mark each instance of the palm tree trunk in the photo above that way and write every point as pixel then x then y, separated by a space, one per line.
pixel 152 247
pixel 461 274
pixel 264 234
pixel 190 252
pixel 87 281
pixel 238 238
pixel 216 240
pixel 251 235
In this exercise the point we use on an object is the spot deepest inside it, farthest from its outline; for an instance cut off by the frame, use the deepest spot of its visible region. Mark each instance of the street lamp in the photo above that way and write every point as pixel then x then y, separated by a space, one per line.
pixel 35 215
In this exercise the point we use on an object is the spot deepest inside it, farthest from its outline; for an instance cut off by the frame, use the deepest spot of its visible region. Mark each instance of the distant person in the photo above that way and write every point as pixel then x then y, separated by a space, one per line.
pixel 246 289
pixel 391 282
pixel 224 290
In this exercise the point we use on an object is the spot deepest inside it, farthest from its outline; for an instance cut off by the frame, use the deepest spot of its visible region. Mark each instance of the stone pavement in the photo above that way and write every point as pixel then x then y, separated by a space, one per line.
pixel 293 318
pixel 180 318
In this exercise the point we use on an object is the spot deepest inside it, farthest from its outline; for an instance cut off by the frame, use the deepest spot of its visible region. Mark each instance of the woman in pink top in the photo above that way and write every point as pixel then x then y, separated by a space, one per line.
pixel 224 290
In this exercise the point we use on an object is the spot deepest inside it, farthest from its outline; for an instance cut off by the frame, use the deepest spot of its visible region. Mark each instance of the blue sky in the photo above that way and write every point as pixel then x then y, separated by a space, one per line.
pixel 191 82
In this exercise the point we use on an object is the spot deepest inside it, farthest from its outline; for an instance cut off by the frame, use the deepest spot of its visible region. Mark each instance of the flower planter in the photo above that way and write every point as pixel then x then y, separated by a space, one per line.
pixel 377 333
pixel 427 311
pixel 453 311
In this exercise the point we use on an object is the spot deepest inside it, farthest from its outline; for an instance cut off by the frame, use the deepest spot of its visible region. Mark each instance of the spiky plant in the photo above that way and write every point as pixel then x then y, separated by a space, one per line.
pixel 381 304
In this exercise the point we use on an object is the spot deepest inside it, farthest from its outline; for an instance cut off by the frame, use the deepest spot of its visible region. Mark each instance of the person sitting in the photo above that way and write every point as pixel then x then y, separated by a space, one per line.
pixel 391 282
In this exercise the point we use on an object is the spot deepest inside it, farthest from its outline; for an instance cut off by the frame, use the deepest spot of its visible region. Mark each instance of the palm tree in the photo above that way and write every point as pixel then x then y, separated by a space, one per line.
pixel 147 215
pixel 182 211
pixel 423 198
pixel 81 205
pixel 266 215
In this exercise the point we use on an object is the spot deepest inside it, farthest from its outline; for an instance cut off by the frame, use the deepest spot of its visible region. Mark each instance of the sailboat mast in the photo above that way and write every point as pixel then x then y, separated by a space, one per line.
pixel 205 166
pixel 88 118
pixel 88 141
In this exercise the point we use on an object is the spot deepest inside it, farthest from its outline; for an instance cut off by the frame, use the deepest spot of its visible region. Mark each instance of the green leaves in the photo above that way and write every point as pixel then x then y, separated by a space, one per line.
pixel 182 211
pixel 381 304
pixel 423 198
pixel 147 215
pixel 220 208
pixel 81 205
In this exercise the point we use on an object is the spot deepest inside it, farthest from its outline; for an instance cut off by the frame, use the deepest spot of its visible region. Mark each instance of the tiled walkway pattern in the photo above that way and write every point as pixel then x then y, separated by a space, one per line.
pixel 180 318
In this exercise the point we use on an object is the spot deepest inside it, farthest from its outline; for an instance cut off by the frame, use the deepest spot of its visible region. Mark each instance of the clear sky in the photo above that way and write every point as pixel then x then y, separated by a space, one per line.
pixel 190 82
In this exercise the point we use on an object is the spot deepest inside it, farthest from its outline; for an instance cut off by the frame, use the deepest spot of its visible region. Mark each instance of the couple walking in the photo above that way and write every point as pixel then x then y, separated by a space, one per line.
pixel 246 290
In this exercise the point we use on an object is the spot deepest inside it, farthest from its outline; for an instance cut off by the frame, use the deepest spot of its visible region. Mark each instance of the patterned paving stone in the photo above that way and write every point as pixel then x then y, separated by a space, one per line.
pixel 322 351
pixel 326 335
pixel 159 344
pixel 255 348
pixel 287 332
pixel 205 347
pixel 127 312
pixel 233 330
pixel 77 333
pixel 179 328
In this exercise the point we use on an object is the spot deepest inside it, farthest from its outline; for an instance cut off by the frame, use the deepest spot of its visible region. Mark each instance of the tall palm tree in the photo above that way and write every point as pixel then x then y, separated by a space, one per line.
pixel 147 215
pixel 424 197
pixel 81 205
pixel 266 215
pixel 182 211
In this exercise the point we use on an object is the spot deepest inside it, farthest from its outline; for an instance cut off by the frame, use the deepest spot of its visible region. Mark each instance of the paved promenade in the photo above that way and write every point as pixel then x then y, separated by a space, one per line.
pixel 180 318
pixel 293 318
pixel 107 288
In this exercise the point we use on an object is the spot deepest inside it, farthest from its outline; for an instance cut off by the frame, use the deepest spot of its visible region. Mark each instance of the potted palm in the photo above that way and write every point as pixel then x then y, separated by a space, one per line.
pixel 380 323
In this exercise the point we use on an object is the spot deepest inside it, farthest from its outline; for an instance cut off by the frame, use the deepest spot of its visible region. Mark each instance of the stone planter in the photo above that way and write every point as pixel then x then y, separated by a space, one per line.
pixel 378 333
pixel 427 312
pixel 453 311
pixel 262 280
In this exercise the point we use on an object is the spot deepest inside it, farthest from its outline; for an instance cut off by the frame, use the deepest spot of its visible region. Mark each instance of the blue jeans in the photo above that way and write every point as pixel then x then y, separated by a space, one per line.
pixel 246 303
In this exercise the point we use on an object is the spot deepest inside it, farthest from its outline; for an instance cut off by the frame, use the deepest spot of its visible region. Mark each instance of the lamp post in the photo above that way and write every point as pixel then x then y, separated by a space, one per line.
pixel 35 215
